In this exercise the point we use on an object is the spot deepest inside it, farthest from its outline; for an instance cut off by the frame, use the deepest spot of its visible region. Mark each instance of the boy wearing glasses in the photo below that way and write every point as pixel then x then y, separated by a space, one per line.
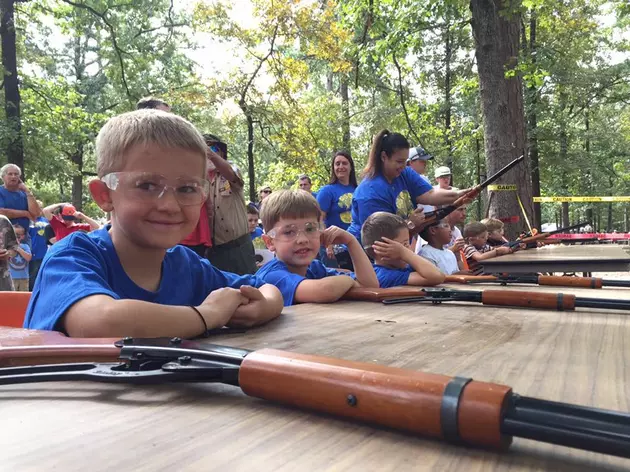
pixel 294 231
pixel 386 239
pixel 131 278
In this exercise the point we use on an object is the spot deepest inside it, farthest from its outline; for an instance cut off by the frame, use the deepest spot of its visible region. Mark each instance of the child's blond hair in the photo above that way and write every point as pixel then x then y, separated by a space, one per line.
pixel 474 229
pixel 492 224
pixel 380 225
pixel 288 204
pixel 143 127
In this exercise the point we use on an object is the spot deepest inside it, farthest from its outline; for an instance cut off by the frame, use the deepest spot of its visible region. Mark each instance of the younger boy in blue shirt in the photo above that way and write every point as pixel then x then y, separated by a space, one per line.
pixel 18 264
pixel 131 278
pixel 294 231
pixel 386 238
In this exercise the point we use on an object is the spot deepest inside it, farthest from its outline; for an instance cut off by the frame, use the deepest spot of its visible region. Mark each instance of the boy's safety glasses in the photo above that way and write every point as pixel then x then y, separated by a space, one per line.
pixel 290 232
pixel 148 187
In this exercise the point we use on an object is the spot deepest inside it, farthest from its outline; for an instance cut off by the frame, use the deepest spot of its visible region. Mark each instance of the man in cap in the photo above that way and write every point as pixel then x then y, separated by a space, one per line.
pixel 443 178
pixel 64 219
pixel 417 160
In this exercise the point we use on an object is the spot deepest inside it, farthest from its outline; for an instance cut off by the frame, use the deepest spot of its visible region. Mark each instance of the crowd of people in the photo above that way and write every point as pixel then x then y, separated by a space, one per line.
pixel 181 236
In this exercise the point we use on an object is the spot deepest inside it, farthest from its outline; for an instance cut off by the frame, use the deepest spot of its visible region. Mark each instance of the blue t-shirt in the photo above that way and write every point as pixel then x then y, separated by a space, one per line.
pixel 18 266
pixel 83 264
pixel 377 194
pixel 37 232
pixel 336 201
pixel 392 277
pixel 15 201
pixel 277 273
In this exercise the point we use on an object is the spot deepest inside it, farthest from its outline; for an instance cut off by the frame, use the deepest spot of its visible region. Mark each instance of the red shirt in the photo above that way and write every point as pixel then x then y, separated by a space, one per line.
pixel 61 230
pixel 201 234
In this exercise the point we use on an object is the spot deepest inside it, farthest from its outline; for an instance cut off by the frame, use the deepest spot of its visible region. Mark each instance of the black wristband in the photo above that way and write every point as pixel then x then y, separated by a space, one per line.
pixel 203 320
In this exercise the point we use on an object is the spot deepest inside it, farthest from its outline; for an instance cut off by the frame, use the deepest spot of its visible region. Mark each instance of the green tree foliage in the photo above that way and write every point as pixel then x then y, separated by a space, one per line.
pixel 311 77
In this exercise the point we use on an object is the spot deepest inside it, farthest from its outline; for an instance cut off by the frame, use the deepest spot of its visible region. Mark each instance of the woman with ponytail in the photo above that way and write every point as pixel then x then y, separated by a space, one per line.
pixel 389 185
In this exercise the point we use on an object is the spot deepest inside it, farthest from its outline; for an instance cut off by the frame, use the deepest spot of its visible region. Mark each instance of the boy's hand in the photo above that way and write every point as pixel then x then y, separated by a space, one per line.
pixel 458 245
pixel 219 307
pixel 390 249
pixel 4 255
pixel 502 250
pixel 247 314
pixel 335 235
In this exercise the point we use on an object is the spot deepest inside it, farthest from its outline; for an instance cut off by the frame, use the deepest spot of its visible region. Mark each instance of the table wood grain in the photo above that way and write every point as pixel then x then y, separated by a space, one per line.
pixel 580 357
pixel 559 258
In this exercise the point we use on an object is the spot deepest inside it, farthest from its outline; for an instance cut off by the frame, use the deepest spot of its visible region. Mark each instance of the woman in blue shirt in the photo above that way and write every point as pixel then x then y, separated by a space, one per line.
pixel 389 185
pixel 335 201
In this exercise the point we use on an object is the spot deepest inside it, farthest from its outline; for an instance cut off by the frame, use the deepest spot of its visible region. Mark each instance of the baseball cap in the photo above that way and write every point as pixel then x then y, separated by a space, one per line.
pixel 418 153
pixel 442 171
pixel 67 212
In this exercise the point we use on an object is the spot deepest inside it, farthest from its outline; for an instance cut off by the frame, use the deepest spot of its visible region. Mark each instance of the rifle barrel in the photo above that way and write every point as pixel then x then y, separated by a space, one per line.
pixel 615 283
pixel 591 429
pixel 602 303
pixel 500 172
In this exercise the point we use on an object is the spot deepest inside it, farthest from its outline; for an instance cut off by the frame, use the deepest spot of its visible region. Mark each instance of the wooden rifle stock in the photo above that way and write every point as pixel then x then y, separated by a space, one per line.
pixel 455 409
pixel 514 298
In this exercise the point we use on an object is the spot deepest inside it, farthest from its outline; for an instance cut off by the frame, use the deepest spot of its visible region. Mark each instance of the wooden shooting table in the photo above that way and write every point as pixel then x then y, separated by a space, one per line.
pixel 557 258
pixel 580 357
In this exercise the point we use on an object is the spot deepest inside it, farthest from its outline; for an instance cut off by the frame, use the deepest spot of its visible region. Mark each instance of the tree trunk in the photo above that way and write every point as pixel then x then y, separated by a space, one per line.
pixel 250 157
pixel 496 31
pixel 15 148
pixel 448 49
pixel 345 113
pixel 565 215
pixel 532 95
pixel 77 179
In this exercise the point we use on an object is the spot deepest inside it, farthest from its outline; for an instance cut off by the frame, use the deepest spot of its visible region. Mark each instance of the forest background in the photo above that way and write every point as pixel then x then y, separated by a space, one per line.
pixel 286 83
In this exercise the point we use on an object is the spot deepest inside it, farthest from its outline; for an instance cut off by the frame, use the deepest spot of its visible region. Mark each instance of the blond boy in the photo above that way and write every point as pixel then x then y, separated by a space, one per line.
pixel 131 278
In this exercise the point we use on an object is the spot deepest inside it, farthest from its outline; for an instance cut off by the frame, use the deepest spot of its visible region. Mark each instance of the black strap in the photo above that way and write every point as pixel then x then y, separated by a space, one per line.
pixel 450 407
pixel 559 298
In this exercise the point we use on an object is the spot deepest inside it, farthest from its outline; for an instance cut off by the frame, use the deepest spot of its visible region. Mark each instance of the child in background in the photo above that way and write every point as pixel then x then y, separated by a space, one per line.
pixel 386 239
pixel 132 278
pixel 437 235
pixel 477 248
pixel 18 264
pixel 294 231
pixel 8 245
pixel 495 232
pixel 255 231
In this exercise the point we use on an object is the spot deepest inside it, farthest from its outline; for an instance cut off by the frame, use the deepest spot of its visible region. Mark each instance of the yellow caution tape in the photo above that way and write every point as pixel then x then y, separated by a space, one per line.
pixel 580 199
pixel 500 188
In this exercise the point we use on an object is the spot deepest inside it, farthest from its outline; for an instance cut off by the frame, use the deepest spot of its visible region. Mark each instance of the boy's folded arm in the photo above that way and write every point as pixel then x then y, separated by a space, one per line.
pixel 326 290
pixel 363 269
pixel 103 316
pixel 425 273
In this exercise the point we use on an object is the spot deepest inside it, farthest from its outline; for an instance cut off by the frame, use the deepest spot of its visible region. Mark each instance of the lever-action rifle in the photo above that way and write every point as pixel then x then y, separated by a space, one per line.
pixel 514 298
pixel 542 236
pixel 456 409
pixel 553 280
pixel 435 216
